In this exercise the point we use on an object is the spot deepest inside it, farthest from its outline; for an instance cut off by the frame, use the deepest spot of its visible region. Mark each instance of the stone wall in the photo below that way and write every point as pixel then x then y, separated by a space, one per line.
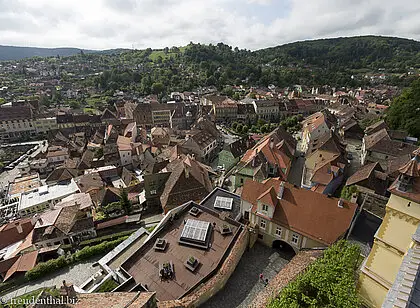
pixel 289 273
pixel 218 281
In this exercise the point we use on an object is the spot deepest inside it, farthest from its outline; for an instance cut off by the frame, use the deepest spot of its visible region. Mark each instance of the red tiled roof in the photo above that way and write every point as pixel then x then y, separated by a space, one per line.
pixel 411 168
pixel 24 263
pixel 362 174
pixel 311 214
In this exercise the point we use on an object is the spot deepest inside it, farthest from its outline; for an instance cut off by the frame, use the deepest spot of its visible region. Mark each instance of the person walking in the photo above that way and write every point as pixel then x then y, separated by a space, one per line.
pixel 266 282
pixel 262 278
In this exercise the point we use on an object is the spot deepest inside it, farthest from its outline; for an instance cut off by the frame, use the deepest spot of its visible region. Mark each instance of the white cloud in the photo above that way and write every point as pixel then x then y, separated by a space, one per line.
pixel 100 24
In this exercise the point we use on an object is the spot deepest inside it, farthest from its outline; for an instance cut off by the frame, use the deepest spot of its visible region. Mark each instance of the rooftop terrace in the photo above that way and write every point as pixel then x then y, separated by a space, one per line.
pixel 145 265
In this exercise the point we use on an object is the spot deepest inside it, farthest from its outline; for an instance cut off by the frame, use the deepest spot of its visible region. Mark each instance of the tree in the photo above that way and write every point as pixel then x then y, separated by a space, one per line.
pixel 236 96
pixel 404 112
pixel 329 282
pixel 74 104
pixel 348 191
pixel 254 129
pixel 245 129
pixel 125 202
pixel 234 125
pixel 239 128
pixel 99 153
pixel 157 88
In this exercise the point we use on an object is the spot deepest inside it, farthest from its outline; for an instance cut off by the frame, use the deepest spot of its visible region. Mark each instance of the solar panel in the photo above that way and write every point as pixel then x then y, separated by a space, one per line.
pixel 195 230
pixel 223 203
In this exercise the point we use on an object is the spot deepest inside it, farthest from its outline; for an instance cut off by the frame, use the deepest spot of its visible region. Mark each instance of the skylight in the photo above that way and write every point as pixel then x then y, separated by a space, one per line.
pixel 223 203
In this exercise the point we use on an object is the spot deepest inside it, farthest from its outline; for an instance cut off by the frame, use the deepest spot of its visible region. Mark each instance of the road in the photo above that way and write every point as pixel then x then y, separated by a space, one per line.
pixel 295 174
pixel 355 163
pixel 244 284
pixel 228 138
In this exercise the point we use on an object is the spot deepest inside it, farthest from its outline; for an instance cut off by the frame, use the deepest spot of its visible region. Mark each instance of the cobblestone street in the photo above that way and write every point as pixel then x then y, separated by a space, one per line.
pixel 244 283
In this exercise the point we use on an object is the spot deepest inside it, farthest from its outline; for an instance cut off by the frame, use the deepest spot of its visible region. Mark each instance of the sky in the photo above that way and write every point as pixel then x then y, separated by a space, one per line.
pixel 250 24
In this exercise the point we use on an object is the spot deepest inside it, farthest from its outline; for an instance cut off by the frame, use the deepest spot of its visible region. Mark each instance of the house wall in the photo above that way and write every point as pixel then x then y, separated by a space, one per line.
pixel 82 235
pixel 240 178
pixel 227 160
pixel 125 157
pixel 269 234
pixel 43 125
pixel 161 117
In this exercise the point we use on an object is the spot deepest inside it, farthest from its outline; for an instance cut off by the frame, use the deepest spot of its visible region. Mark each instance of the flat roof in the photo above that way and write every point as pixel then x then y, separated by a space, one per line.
pixel 24 184
pixel 210 201
pixel 46 193
pixel 143 266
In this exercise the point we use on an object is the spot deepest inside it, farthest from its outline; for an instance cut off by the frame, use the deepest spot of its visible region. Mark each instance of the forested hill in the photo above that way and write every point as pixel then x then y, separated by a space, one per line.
pixel 352 52
pixel 17 53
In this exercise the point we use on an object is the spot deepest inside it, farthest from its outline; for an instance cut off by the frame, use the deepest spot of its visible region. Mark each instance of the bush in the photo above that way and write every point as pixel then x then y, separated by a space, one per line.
pixel 234 125
pixel 107 286
pixel 328 282
pixel 112 207
pixel 90 251
pixel 44 268
pixel 111 237
pixel 348 191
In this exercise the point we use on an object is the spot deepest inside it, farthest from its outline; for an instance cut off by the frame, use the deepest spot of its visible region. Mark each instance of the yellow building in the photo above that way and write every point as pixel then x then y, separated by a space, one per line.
pixel 394 236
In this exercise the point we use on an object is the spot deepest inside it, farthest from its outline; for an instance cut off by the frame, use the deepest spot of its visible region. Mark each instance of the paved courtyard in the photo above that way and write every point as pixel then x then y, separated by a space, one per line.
pixel 244 283
pixel 76 274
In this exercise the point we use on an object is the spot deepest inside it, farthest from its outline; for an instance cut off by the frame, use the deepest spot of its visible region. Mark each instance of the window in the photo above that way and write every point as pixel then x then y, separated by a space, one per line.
pixel 278 231
pixel 153 192
pixel 263 224
pixel 295 239
pixel 265 207
pixel 242 181
pixel 260 236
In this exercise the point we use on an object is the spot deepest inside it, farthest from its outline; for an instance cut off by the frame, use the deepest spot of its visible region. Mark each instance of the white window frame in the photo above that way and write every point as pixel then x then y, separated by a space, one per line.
pixel 295 239
pixel 263 224
pixel 279 231
pixel 265 208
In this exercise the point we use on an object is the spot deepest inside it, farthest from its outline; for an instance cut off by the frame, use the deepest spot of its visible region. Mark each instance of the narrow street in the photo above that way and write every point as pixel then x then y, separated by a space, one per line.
pixel 244 284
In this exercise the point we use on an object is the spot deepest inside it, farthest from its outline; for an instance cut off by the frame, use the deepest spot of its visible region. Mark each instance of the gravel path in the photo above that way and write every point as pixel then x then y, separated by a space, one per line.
pixel 244 283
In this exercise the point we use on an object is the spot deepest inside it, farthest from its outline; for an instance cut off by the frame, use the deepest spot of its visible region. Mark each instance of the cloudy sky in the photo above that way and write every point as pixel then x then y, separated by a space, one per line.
pixel 251 24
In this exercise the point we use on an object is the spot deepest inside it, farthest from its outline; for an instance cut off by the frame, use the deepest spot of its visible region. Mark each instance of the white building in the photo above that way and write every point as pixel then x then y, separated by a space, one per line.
pixel 125 150
pixel 45 197
pixel 43 125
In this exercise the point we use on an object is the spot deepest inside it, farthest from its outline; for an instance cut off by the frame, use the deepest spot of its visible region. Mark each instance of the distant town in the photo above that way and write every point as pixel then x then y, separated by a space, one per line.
pixel 225 195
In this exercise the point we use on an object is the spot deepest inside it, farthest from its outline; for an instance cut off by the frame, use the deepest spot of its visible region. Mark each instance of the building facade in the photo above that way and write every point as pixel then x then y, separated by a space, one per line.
pixel 394 237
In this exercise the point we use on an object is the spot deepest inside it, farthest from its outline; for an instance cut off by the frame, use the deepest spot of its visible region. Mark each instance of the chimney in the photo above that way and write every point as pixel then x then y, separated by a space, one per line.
pixel 187 172
pixel 340 203
pixel 281 191
pixel 19 227
pixel 271 143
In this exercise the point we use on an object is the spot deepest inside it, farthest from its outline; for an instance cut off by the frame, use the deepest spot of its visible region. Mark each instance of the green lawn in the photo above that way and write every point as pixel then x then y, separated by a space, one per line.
pixel 156 53
pixel 107 286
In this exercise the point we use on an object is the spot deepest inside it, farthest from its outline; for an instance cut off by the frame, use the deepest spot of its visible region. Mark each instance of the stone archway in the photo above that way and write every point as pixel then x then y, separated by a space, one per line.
pixel 285 249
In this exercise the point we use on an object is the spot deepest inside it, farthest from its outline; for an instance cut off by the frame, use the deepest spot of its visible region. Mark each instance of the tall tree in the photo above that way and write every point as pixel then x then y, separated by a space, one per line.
pixel 125 202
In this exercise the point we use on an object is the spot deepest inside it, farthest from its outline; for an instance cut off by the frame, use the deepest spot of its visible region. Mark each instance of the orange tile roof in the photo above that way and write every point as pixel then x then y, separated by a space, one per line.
pixel 309 213
pixel 24 263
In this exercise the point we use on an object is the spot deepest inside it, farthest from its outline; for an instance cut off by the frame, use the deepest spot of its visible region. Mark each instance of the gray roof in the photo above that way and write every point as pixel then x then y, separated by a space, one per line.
pixel 408 277
pixel 208 202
